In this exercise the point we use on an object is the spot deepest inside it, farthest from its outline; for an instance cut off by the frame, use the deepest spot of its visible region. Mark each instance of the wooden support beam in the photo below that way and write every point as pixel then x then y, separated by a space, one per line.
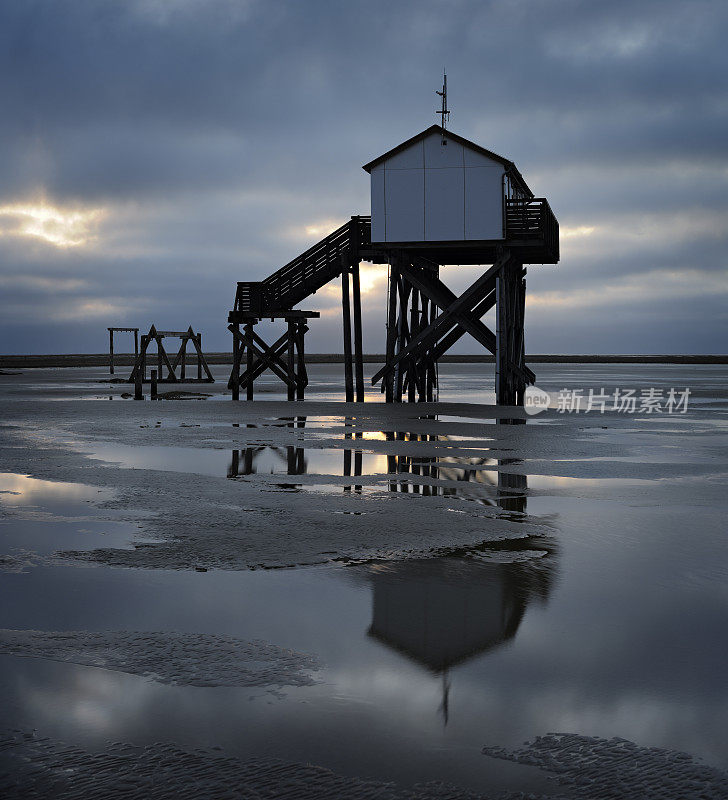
pixel 414 330
pixel 291 370
pixel 260 365
pixel 143 356
pixel 266 354
pixel 201 360
pixel 198 341
pixel 183 359
pixel 358 346
pixel 404 289
pixel 249 333
pixel 302 375
pixel 510 383
pixel 444 297
pixel 163 358
pixel 160 349
pixel 346 318
pixel 388 385
pixel 429 335
pixel 458 312
pixel 234 382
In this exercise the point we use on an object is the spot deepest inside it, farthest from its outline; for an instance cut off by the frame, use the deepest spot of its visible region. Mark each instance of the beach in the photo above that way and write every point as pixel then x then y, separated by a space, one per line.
pixel 364 600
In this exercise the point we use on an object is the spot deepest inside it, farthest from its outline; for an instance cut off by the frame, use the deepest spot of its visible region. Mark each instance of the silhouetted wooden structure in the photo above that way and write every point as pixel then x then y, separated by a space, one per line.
pixel 112 331
pixel 285 357
pixel 179 361
pixel 437 199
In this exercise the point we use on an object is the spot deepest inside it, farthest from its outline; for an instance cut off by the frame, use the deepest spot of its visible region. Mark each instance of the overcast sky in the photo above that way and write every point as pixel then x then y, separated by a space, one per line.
pixel 154 152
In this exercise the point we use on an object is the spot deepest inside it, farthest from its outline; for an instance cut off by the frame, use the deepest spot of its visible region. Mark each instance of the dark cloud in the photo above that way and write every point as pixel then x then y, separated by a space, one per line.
pixel 212 134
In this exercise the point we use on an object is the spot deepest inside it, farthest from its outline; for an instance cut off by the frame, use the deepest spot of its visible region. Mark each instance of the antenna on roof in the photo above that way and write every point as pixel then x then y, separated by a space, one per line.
pixel 444 113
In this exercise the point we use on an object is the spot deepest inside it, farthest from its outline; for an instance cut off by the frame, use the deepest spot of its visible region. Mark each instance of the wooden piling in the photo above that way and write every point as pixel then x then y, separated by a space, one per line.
pixel 249 361
pixel 346 318
pixel 235 377
pixel 291 371
pixel 138 385
pixel 358 346
pixel 391 329
pixel 302 378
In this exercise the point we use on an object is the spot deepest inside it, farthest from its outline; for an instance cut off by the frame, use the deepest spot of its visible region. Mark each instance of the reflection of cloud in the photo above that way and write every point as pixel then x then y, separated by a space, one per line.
pixel 52 224
pixel 22 490
pixel 94 699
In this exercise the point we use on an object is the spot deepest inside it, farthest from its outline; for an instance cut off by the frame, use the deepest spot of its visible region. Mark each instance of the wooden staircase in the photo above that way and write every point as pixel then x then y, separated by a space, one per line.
pixel 307 273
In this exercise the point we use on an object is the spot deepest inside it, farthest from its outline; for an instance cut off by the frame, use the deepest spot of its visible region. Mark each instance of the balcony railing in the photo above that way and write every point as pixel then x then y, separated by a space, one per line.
pixel 532 219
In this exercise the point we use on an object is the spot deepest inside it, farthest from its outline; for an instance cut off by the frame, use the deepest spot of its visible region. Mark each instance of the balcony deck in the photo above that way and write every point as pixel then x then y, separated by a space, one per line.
pixel 531 233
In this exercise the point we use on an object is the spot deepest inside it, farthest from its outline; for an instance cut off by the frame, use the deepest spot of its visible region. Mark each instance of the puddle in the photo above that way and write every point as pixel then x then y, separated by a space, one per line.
pixel 45 516
pixel 469 477
pixel 404 648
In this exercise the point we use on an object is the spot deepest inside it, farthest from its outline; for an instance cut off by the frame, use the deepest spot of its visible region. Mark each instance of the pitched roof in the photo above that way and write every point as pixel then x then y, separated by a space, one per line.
pixel 509 165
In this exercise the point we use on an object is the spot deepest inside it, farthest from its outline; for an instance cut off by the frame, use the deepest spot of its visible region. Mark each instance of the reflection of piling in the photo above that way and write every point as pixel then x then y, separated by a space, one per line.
pixel 154 384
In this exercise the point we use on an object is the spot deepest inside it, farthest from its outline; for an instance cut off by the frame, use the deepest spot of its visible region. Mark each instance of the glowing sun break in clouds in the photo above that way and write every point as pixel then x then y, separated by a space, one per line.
pixel 55 225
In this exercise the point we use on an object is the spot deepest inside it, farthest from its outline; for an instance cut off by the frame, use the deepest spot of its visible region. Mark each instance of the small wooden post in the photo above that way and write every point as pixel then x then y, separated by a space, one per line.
pixel 111 351
pixel 358 347
pixel 154 385
pixel 346 317
pixel 138 385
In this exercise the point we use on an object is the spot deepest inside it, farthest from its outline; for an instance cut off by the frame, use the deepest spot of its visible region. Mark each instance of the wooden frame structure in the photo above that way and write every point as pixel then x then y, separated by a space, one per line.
pixel 424 317
pixel 112 331
pixel 180 359
pixel 285 357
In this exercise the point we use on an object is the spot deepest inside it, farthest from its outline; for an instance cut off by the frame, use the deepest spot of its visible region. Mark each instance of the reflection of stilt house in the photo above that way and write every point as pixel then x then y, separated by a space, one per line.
pixel 442 612
pixel 436 199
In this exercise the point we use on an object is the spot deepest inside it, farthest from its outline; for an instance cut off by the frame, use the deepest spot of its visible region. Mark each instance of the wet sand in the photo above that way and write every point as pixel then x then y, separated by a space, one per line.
pixel 380 591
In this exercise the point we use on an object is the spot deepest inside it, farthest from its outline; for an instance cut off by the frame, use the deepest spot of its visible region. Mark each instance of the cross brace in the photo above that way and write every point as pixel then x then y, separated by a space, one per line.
pixel 140 365
pixel 417 336
pixel 285 358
